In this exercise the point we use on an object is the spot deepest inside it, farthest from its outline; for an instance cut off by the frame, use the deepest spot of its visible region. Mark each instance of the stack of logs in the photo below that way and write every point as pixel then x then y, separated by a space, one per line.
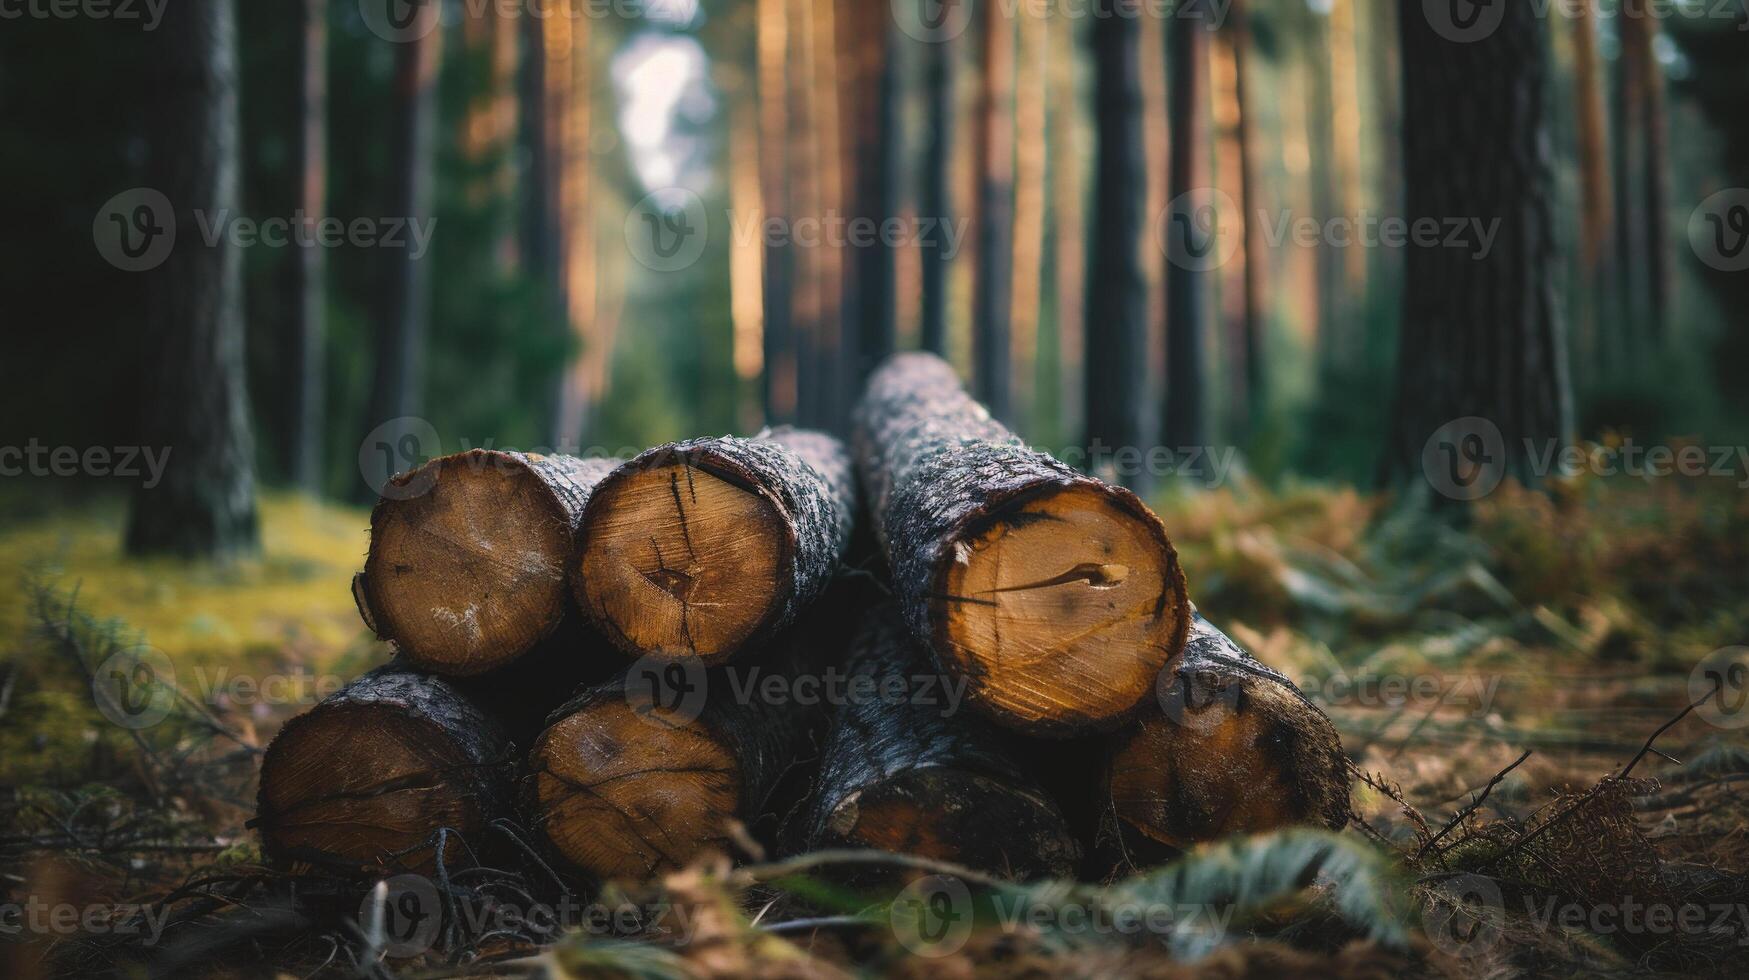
pixel 1006 673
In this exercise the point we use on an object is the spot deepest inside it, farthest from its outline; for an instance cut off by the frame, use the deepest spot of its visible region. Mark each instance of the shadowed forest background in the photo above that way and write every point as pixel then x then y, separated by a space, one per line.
pixel 1403 315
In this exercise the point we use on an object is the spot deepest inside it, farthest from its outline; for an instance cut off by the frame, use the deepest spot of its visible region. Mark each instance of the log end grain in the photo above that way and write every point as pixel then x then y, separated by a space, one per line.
pixel 622 801
pixel 467 565
pixel 1061 606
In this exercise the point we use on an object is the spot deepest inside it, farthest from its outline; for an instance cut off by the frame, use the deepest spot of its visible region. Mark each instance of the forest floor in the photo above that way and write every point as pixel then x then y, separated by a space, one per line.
pixel 1571 626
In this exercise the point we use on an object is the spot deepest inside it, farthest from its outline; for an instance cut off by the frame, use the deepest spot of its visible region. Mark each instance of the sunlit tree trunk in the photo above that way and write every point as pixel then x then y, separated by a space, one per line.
pixel 806 197
pixel 586 374
pixel 197 404
pixel 1242 292
pixel 779 394
pixel 831 397
pixel 308 288
pixel 992 294
pixel 1117 299
pixel 1190 215
pixel 1068 222
pixel 1029 209
pixel 1596 207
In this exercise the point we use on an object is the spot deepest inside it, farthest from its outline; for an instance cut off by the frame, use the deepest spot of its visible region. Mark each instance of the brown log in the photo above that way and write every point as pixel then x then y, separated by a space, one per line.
pixel 1057 596
pixel 365 780
pixel 468 556
pixel 701 548
pixel 900 773
pixel 1231 747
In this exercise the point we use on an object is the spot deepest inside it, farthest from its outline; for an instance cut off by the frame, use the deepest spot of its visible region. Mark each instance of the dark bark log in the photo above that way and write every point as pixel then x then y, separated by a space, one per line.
pixel 1230 747
pixel 405 299
pixel 198 404
pixel 307 264
pixel 1187 186
pixel 700 548
pixel 647 772
pixel 900 774
pixel 1058 596
pixel 364 781
pixel 1481 332
pixel 1116 324
pixel 468 556
pixel 935 198
pixel 992 292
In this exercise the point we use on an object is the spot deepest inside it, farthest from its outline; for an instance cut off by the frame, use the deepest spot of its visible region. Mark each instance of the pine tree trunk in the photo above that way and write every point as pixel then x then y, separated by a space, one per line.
pixel 900 773
pixel 1059 597
pixel 1481 335
pixel 1068 220
pixel 992 292
pixel 701 548
pixel 1641 182
pixel 1029 209
pixel 875 147
pixel 779 392
pixel 1117 298
pixel 1596 207
pixel 1187 275
pixel 935 197
pixel 308 267
pixel 1250 342
pixel 198 407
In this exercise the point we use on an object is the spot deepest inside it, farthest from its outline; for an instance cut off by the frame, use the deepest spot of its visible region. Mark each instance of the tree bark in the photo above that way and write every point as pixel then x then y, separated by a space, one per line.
pixel 935 197
pixel 699 549
pixel 364 781
pixel 1186 275
pixel 198 407
pixel 899 774
pixel 1596 207
pixel 1641 181
pixel 992 289
pixel 874 148
pixel 1231 747
pixel 400 338
pixel 468 556
pixel 1481 335
pixel 779 392
pixel 1116 323
pixel 308 265
pixel 1057 596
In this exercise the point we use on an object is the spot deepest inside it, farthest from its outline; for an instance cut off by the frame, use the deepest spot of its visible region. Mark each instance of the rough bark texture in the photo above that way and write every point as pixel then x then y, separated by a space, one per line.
pixel 197 406
pixel 364 781
pixel 1481 334
pixel 901 773
pixel 1116 323
pixel 644 773
pixel 468 554
pixel 673 563
pixel 1232 747
pixel 943 478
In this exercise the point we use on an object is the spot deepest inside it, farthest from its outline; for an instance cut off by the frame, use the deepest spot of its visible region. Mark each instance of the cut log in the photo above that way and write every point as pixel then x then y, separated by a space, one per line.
pixel 364 780
pixel 642 775
pixel 705 547
pixel 1231 748
pixel 1057 596
pixel 468 555
pixel 901 772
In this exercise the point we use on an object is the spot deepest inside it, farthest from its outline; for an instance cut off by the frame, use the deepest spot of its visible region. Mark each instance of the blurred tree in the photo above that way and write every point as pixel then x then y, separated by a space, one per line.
pixel 1068 223
pixel 1193 224
pixel 779 393
pixel 1117 301
pixel 581 385
pixel 830 400
pixel 1029 210
pixel 874 149
pixel 196 405
pixel 1245 299
pixel 306 266
pixel 1481 333
pixel 1642 248
pixel 405 302
pixel 1595 206
pixel 935 197
pixel 992 292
